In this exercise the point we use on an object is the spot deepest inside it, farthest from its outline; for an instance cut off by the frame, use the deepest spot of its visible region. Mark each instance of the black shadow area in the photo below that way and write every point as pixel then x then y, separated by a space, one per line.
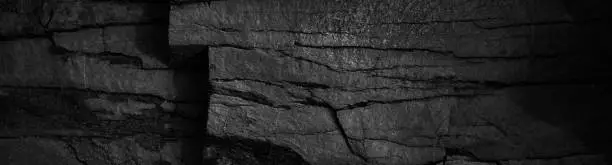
pixel 581 106
pixel 191 79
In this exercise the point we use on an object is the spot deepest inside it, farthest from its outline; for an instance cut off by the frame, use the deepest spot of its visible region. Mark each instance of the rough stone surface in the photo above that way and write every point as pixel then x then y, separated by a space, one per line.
pixel 400 82
pixel 418 82
pixel 92 82
pixel 35 151
pixel 32 64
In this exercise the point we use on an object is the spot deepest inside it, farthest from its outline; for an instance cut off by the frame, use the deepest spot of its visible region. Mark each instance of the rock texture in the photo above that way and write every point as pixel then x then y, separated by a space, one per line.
pixel 92 82
pixel 401 82
pixel 415 82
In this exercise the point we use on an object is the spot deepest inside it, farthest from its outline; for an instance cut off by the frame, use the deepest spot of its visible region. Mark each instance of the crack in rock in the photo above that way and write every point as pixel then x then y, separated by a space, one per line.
pixel 336 120
pixel 75 153
pixel 249 96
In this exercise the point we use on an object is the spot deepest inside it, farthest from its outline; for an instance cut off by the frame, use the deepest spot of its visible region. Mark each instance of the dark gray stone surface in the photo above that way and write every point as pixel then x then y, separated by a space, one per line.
pixel 417 82
pixel 397 82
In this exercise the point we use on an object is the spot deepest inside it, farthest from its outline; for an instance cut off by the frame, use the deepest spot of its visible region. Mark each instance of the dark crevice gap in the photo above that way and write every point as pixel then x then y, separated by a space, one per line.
pixel 192 82
pixel 310 85
pixel 235 30
pixel 269 83
pixel 75 153
pixel 299 44
pixel 426 98
pixel 113 58
pixel 119 59
pixel 249 96
pixel 92 92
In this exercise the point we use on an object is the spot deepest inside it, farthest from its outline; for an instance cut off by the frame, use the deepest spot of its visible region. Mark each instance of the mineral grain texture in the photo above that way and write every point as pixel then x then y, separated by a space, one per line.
pixel 405 82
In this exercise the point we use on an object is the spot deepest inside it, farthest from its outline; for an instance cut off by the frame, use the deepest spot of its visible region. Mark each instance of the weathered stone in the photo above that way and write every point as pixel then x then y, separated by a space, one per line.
pixel 304 82
pixel 56 112
pixel 430 79
pixel 22 18
pixel 123 151
pixel 116 110
pixel 37 17
pixel 89 40
pixel 120 40
pixel 410 123
pixel 34 66
pixel 277 125
pixel 139 41
pixel 346 24
pixel 73 15
pixel 35 151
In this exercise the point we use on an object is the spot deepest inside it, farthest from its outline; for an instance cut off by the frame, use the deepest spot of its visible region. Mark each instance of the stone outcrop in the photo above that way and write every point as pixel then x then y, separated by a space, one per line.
pixel 91 82
pixel 303 82
pixel 395 82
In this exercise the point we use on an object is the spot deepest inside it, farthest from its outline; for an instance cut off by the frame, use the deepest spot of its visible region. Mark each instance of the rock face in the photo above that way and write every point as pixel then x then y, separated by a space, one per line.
pixel 400 82
pixel 414 82
pixel 92 82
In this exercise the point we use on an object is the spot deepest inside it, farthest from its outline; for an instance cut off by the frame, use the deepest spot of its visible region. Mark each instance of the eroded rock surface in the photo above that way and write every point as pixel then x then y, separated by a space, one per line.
pixel 92 82
pixel 303 82
pixel 400 82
